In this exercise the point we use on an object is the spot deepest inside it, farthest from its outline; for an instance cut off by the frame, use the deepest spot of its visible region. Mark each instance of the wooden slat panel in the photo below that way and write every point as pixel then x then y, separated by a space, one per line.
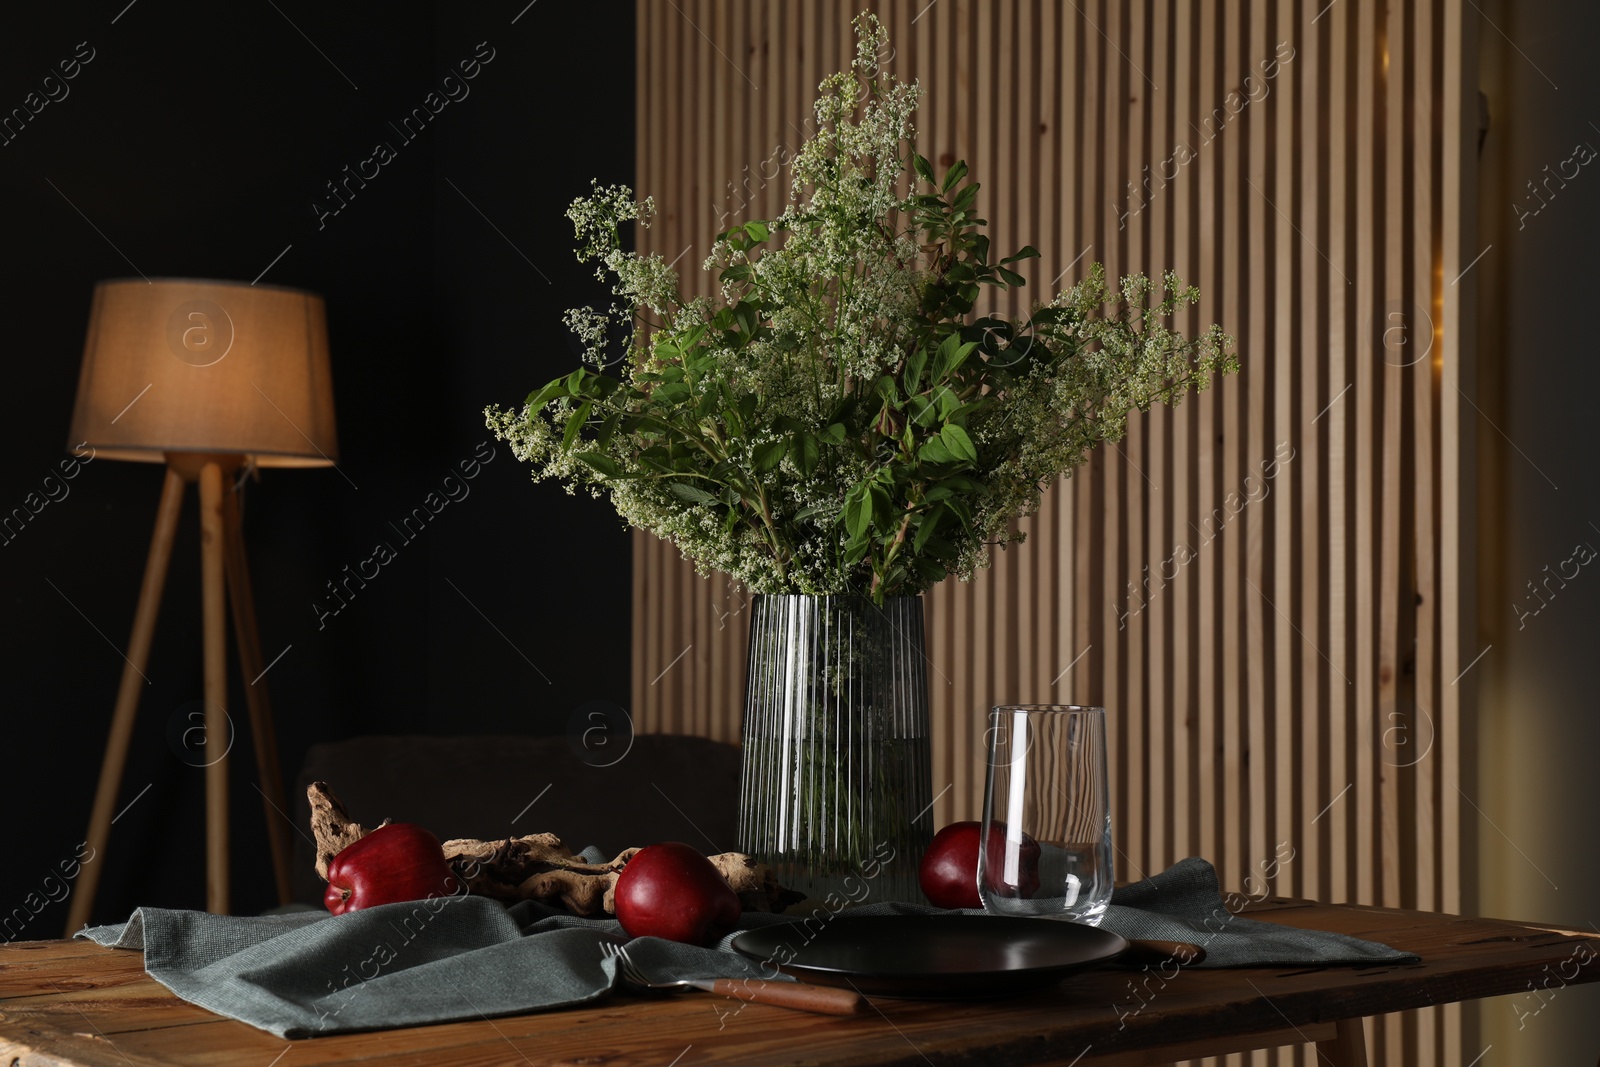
pixel 1306 877
pixel 1231 548
pixel 1262 586
pixel 1260 222
pixel 1368 357
pixel 1335 436
pixel 1212 736
pixel 1457 371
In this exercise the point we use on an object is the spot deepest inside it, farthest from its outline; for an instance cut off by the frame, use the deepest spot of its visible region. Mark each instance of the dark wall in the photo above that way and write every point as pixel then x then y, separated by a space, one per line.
pixel 194 142
pixel 1538 715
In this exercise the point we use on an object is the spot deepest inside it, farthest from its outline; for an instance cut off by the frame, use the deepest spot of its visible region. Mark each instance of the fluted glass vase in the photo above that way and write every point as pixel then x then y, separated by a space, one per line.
pixel 836 791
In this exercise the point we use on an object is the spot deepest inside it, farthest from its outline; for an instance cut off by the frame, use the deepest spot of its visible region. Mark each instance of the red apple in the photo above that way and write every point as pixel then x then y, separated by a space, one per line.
pixel 395 862
pixel 672 891
pixel 949 871
pixel 1028 853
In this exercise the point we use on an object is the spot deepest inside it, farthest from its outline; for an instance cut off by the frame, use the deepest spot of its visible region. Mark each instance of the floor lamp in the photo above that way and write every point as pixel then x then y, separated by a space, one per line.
pixel 210 378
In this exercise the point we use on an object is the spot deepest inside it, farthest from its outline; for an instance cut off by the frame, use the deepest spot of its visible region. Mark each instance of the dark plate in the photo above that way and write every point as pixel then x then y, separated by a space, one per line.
pixel 931 955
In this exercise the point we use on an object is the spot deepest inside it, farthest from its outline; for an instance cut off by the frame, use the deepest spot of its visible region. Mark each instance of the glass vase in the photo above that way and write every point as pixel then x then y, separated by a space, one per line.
pixel 837 766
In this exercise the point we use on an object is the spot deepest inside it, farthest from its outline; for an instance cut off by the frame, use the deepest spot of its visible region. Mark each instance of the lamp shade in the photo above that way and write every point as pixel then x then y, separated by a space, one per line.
pixel 184 365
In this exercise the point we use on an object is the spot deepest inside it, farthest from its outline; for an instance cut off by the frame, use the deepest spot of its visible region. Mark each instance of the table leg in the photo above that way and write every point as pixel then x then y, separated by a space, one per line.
pixel 1348 1047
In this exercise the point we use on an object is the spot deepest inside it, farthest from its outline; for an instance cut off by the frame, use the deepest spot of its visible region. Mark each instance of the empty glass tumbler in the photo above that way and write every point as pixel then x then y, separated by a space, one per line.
pixel 1045 845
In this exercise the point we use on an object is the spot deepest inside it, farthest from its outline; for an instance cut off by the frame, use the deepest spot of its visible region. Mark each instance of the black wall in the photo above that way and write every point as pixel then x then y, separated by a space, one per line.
pixel 195 143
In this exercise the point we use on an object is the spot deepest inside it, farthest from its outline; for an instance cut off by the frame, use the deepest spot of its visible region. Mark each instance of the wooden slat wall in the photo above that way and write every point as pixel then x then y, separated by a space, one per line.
pixel 1283 678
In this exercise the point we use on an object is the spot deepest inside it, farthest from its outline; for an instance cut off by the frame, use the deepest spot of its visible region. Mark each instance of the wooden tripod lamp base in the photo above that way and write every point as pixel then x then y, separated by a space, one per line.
pixel 224 579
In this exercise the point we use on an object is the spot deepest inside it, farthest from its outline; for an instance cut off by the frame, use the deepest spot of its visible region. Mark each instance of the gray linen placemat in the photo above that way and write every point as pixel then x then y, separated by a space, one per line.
pixel 1184 903
pixel 462 958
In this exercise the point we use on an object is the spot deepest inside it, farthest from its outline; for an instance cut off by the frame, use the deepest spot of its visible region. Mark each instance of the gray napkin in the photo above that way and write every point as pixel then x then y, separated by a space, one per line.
pixel 460 958
pixel 1184 903
pixel 449 959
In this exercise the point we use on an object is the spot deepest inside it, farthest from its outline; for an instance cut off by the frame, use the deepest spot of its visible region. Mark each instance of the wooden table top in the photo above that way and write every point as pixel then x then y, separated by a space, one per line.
pixel 75 1004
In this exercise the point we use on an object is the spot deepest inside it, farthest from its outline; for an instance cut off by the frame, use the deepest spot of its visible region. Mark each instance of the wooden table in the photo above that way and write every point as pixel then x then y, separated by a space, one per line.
pixel 74 1003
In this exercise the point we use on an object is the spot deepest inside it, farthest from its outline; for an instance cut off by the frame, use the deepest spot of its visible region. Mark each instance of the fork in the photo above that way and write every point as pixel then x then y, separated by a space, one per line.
pixel 795 995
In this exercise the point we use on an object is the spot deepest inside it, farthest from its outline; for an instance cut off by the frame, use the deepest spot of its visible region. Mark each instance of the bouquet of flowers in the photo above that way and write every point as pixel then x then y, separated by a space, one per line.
pixel 842 418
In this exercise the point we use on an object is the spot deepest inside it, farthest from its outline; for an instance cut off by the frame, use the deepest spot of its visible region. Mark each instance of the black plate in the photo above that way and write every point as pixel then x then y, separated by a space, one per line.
pixel 931 955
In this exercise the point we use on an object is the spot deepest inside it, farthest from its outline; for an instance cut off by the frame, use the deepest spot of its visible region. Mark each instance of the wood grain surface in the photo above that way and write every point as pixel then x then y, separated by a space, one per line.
pixel 74 1004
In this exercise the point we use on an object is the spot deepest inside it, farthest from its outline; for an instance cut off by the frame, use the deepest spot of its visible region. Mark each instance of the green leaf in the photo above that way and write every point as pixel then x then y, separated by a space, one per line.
pixel 923 168
pixel 600 463
pixel 557 388
pixel 882 506
pixel 934 450
pixel 770 453
pixel 922 412
pixel 952 353
pixel 685 490
pixel 962 353
pixel 929 524
pixel 809 513
pixel 1028 252
pixel 949 487
pixel 757 230
pixel 608 430
pixel 916 363
pixel 833 435
pixel 858 511
pixel 807 453
pixel 736 273
pixel 747 316
pixel 953 175
pixel 575 423
pixel 672 392
pixel 945 356
pixel 959 444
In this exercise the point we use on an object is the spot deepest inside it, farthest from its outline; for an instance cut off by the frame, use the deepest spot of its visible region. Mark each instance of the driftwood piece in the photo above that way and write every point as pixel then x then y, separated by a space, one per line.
pixel 331 825
pixel 536 867
pixel 756 884
pixel 539 867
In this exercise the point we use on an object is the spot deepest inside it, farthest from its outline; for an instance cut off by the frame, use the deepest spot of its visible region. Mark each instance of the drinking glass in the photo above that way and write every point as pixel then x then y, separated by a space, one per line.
pixel 1044 848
